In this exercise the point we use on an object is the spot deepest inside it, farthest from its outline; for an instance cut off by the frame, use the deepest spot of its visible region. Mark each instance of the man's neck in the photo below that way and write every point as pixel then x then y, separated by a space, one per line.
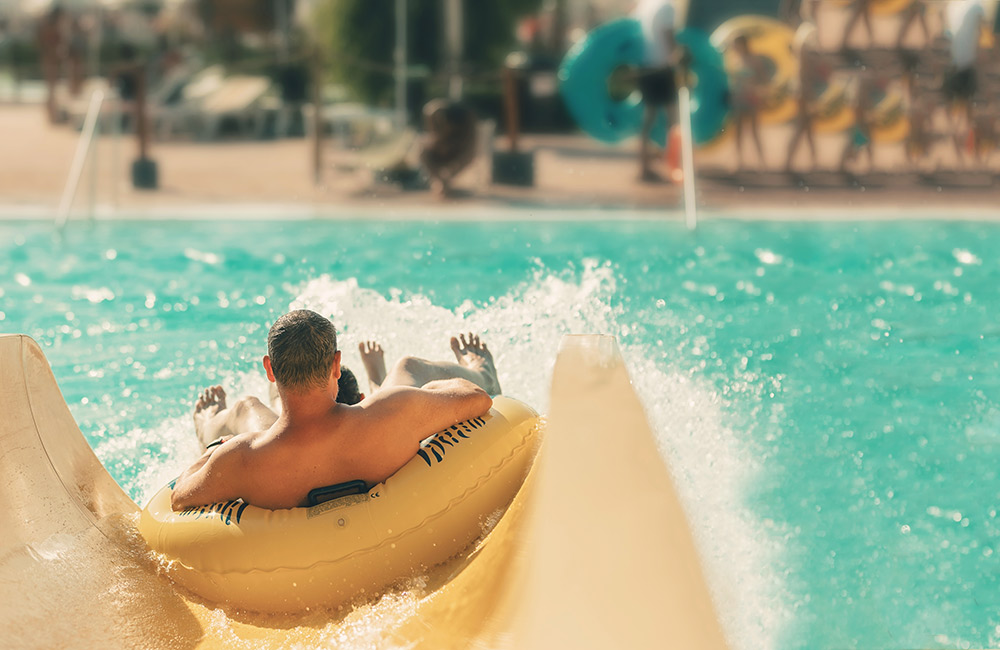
pixel 303 407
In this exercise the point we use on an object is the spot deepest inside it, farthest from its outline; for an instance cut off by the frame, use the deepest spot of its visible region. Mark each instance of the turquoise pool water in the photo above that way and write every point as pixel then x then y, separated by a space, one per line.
pixel 825 394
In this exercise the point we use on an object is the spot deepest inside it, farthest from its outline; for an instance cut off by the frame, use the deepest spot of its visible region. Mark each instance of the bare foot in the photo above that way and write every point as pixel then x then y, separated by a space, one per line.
pixel 473 354
pixel 373 356
pixel 210 404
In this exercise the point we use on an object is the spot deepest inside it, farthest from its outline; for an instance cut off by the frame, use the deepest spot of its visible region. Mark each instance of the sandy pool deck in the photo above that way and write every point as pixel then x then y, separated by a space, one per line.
pixel 575 179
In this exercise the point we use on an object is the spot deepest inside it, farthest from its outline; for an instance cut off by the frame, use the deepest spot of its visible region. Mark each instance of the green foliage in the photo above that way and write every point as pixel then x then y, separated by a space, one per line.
pixel 358 37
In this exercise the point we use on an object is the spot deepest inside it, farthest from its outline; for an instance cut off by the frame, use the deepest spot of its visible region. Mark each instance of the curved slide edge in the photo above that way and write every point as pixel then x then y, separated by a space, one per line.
pixel 44 456
pixel 612 562
pixel 73 572
pixel 596 551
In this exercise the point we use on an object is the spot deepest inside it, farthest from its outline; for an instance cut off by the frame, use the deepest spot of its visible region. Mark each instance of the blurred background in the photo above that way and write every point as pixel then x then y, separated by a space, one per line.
pixel 393 102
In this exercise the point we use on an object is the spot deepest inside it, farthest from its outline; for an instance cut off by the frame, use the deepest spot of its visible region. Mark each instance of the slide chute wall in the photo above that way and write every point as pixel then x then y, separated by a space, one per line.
pixel 594 552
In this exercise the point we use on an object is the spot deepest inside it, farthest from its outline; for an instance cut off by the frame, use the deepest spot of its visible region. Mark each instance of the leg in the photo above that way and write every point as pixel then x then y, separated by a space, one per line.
pixel 755 132
pixel 648 117
pixel 248 415
pixel 213 419
pixel 738 121
pixel 848 155
pixel 866 14
pixel 475 363
pixel 811 141
pixel 905 27
pixel 923 24
pixel 870 150
pixel 373 357
pixel 793 145
pixel 851 22
pixel 432 164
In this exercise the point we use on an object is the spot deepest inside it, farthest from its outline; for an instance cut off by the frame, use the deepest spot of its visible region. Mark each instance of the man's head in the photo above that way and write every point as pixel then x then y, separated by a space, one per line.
pixel 302 351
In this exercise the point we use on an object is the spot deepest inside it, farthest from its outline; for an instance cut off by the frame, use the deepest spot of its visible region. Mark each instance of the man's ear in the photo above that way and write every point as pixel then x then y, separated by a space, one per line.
pixel 335 371
pixel 267 368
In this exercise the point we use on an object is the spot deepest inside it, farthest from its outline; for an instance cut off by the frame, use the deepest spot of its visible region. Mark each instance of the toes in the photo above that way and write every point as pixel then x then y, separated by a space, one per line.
pixel 467 342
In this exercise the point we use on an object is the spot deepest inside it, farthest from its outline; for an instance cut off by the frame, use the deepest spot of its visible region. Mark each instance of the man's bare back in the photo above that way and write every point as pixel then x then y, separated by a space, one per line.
pixel 273 461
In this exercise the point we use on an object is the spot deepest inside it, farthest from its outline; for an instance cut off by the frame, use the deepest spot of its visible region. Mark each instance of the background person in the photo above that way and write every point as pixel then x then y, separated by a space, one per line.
pixel 657 82
pixel 814 77
pixel 51 49
pixel 860 136
pixel 748 79
pixel 450 144
pixel 965 20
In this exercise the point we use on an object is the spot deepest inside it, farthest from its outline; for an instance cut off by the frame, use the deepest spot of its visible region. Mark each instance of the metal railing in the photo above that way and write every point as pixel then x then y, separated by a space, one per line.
pixel 83 148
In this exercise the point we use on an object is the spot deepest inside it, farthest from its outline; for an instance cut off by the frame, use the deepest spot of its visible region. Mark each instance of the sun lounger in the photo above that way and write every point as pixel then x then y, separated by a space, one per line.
pixel 237 99
pixel 170 119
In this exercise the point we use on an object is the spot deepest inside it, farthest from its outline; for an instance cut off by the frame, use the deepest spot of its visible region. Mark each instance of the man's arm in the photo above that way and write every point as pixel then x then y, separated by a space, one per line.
pixel 212 478
pixel 397 418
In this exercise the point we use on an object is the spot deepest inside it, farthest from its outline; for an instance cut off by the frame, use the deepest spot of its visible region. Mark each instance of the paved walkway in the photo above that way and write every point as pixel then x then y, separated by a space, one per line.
pixel 573 173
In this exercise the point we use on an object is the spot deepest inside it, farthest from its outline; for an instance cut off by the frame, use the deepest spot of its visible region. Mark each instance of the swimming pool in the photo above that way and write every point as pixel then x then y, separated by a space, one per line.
pixel 824 393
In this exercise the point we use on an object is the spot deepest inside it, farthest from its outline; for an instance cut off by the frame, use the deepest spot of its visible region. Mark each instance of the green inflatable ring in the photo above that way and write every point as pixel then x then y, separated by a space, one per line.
pixel 588 66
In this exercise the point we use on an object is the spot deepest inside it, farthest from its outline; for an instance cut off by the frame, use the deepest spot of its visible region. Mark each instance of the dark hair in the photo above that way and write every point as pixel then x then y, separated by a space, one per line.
pixel 347 388
pixel 301 345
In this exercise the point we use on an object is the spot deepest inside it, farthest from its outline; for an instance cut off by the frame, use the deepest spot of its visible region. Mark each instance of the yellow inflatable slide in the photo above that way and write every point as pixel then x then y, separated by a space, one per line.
pixel 569 564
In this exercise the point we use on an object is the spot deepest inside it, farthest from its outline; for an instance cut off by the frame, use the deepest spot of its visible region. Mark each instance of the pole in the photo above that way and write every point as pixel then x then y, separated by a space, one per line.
pixel 116 142
pixel 96 36
pixel 400 57
pixel 92 193
pixel 281 20
pixel 559 28
pixel 79 158
pixel 511 114
pixel 687 157
pixel 454 28
pixel 317 127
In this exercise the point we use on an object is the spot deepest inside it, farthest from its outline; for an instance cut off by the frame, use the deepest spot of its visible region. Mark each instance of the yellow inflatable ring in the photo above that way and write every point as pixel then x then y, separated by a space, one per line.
pixel 890 122
pixel 834 112
pixel 880 7
pixel 286 561
pixel 771 39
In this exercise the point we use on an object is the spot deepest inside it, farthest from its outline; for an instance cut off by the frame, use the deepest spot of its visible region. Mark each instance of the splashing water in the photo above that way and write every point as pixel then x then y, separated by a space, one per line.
pixel 824 395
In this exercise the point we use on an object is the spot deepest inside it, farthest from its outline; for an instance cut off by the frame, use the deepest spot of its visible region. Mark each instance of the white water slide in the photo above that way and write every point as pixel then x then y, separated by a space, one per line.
pixel 594 552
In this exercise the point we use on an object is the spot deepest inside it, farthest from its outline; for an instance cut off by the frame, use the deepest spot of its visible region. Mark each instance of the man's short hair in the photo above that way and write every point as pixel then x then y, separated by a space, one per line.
pixel 347 387
pixel 302 345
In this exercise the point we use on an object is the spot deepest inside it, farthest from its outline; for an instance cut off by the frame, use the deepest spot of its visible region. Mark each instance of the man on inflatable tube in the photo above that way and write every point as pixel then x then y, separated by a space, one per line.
pixel 275 463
